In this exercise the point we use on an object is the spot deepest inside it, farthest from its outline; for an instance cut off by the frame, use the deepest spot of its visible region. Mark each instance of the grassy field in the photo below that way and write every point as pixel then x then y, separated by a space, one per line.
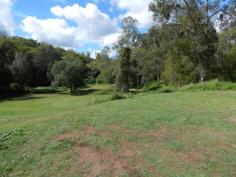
pixel 94 133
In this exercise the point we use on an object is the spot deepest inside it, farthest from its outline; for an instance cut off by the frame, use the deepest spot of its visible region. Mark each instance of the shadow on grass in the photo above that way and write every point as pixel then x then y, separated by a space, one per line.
pixel 85 92
pixel 45 91
pixel 20 98
pixel 105 92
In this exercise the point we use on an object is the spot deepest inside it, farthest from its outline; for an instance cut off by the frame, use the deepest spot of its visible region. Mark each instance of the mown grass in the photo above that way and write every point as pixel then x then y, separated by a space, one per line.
pixel 99 131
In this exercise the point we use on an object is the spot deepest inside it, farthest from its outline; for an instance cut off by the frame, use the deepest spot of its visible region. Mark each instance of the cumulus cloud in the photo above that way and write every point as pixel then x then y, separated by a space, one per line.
pixel 90 19
pixel 72 26
pixel 55 31
pixel 6 17
pixel 138 9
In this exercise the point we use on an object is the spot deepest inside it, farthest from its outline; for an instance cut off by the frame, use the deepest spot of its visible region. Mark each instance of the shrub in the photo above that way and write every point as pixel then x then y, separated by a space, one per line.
pixel 211 85
pixel 151 86
pixel 166 90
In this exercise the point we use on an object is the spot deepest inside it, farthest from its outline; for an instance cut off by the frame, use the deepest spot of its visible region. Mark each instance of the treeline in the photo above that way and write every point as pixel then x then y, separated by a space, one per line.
pixel 25 63
pixel 190 41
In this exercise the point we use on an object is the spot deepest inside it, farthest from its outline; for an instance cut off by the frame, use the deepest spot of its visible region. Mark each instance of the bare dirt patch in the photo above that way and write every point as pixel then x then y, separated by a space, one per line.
pixel 95 162
pixel 75 134
pixel 92 161
pixel 160 133
pixel 88 130
pixel 67 135
pixel 233 119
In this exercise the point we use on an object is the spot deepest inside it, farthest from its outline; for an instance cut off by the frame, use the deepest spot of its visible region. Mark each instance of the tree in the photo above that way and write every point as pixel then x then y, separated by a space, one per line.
pixel 102 68
pixel 22 70
pixel 226 54
pixel 23 45
pixel 179 69
pixel 195 21
pixel 157 42
pixel 129 36
pixel 70 74
pixel 7 55
pixel 44 56
pixel 124 76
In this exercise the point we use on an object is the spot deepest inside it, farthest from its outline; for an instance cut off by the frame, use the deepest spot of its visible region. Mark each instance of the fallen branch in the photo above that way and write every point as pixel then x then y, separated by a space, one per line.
pixel 7 134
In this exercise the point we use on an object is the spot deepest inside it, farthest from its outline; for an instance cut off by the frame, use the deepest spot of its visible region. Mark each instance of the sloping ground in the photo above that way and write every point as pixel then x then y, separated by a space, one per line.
pixel 175 135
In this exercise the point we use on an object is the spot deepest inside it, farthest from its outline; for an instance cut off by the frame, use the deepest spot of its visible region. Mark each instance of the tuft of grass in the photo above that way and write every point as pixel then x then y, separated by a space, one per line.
pixel 211 85
pixel 166 90
pixel 159 87
pixel 118 97
pixel 151 86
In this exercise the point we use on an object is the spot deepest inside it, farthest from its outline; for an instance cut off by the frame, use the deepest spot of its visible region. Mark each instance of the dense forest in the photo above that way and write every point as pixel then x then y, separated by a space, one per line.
pixel 190 41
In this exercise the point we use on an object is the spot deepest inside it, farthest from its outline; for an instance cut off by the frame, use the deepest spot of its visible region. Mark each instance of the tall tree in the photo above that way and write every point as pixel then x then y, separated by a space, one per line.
pixel 44 57
pixel 70 74
pixel 129 36
pixel 123 79
pixel 22 70
pixel 195 20
pixel 226 54
pixel 7 55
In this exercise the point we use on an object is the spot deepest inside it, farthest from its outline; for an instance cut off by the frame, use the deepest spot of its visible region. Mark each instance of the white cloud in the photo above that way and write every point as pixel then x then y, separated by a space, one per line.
pixel 72 26
pixel 55 31
pixel 6 17
pixel 138 9
pixel 93 53
pixel 89 19
pixel 110 39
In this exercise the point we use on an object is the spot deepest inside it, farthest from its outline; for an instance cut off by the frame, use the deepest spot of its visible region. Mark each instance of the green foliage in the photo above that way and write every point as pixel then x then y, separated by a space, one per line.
pixel 44 56
pixel 182 47
pixel 151 86
pixel 22 70
pixel 124 76
pixel 70 74
pixel 7 55
pixel 103 68
pixel 28 63
pixel 226 54
pixel 129 36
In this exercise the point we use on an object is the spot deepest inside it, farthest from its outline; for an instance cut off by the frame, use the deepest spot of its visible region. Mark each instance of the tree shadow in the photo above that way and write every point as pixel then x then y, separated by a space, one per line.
pixel 85 92
pixel 20 98
pixel 105 92
pixel 45 91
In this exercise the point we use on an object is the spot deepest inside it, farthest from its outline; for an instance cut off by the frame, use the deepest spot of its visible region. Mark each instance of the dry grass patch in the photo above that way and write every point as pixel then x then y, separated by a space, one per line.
pixel 95 161
pixel 233 119
pixel 92 161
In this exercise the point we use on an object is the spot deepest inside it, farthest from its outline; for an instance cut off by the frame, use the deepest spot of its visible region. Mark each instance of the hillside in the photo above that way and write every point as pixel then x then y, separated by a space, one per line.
pixel 95 133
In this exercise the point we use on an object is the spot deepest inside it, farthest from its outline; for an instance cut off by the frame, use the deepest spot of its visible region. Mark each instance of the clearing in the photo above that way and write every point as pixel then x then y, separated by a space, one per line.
pixel 94 133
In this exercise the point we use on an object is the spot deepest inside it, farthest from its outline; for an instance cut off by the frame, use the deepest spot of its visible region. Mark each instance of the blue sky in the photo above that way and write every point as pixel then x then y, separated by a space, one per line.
pixel 83 25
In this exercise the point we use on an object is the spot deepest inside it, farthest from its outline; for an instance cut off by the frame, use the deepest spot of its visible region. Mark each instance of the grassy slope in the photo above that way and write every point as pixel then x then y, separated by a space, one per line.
pixel 176 134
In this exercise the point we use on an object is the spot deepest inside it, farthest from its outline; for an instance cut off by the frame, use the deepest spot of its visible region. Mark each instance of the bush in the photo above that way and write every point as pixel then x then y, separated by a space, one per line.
pixel 151 86
pixel 211 85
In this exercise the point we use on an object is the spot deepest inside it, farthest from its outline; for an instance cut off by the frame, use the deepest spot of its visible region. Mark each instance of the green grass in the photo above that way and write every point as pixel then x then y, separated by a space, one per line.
pixel 211 85
pixel 100 132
